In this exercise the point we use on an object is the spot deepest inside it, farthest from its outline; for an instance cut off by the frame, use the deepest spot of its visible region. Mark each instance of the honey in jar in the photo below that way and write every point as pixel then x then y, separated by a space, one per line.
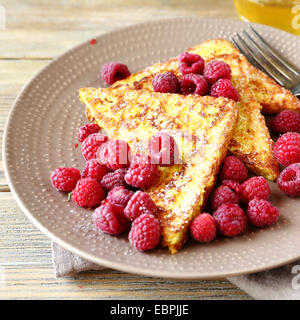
pixel 282 14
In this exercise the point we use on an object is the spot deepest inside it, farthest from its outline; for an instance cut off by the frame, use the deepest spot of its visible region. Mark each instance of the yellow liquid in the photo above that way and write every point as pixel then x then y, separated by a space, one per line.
pixel 284 15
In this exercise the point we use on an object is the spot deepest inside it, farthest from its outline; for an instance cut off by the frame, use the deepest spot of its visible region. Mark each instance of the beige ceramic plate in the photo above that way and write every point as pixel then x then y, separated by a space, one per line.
pixel 41 133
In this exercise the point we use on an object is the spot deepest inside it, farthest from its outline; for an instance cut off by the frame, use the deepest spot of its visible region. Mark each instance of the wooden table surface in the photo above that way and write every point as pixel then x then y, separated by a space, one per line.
pixel 37 31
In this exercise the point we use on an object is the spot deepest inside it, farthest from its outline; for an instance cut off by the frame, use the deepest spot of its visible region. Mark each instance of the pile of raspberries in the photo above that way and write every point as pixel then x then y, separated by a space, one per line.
pixel 113 180
pixel 213 78
pixel 235 201
pixel 238 199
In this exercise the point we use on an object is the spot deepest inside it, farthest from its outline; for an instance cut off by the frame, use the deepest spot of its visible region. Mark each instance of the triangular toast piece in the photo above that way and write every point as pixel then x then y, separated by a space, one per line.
pixel 202 128
pixel 251 141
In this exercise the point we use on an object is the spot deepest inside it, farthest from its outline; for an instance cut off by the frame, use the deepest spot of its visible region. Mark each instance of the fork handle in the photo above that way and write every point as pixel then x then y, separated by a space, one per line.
pixel 296 90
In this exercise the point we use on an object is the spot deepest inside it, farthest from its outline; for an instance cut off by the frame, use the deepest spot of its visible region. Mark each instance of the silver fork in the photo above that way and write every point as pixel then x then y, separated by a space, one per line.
pixel 259 53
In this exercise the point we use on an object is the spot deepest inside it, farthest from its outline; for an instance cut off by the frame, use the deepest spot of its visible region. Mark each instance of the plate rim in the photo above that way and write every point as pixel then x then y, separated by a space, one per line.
pixel 96 259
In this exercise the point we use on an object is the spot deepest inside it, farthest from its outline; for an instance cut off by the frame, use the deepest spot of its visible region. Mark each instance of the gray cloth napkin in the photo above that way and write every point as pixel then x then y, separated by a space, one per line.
pixel 280 283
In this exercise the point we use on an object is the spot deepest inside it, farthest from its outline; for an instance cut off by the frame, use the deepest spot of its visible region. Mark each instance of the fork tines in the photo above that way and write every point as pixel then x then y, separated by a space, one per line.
pixel 262 55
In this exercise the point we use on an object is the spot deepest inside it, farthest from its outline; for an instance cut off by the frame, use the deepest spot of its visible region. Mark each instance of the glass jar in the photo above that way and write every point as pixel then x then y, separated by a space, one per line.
pixel 282 14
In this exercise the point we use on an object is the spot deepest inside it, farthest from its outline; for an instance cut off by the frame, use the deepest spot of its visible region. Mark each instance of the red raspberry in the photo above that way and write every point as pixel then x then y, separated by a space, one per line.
pixel 289 180
pixel 114 71
pixel 119 195
pixel 65 179
pixel 142 174
pixel 224 88
pixel 93 169
pixel 110 219
pixel 88 193
pixel 138 159
pixel 190 63
pixel 91 144
pixel 216 70
pixel 286 121
pixel 145 232
pixel 230 219
pixel 261 213
pixel 114 179
pixel 163 149
pixel 233 169
pixel 203 228
pixel 115 154
pixel 194 84
pixel 117 207
pixel 223 195
pixel 139 203
pixel 86 130
pixel 166 83
pixel 287 149
pixel 232 184
pixel 254 187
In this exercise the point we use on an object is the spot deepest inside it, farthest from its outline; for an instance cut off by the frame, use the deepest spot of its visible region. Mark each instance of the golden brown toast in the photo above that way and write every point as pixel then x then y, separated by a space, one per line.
pixel 202 128
pixel 251 141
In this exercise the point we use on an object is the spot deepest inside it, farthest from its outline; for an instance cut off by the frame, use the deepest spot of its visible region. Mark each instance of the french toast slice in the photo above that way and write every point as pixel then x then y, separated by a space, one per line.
pixel 251 141
pixel 202 128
